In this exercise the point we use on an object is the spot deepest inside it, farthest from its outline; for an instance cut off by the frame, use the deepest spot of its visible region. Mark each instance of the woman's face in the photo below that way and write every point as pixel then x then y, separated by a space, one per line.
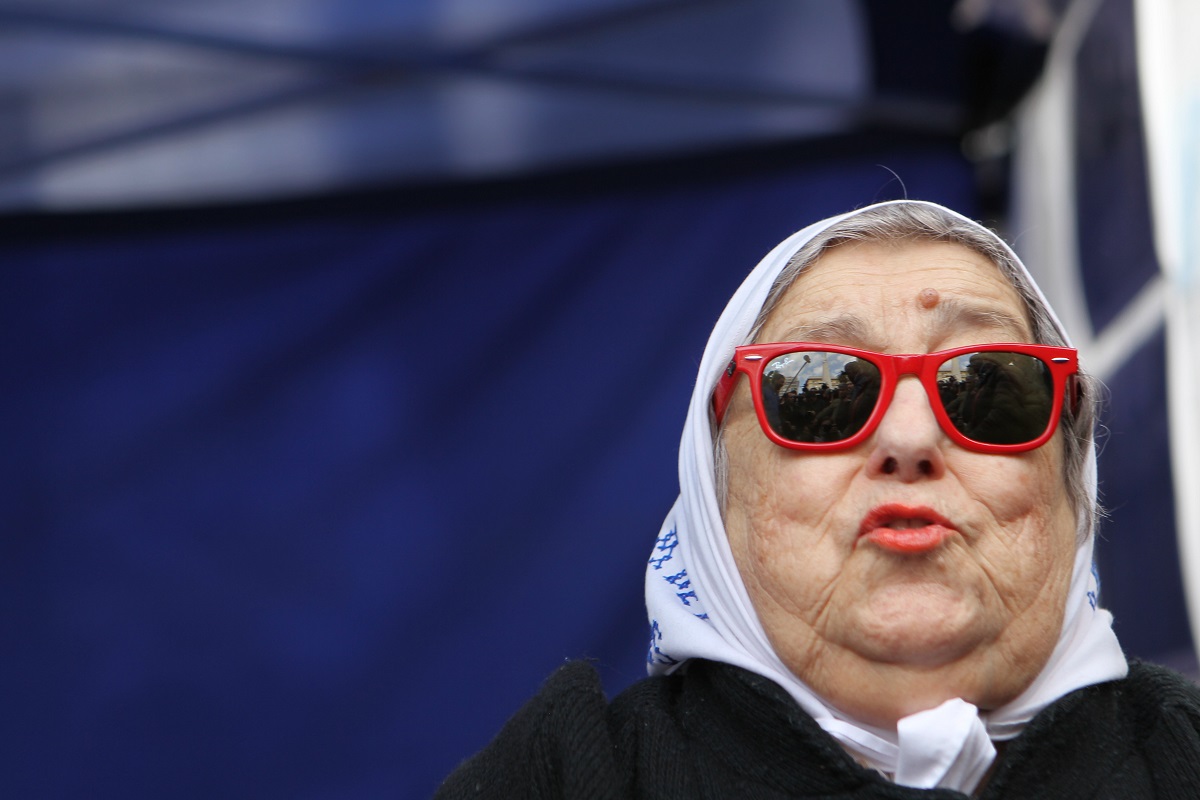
pixel 883 631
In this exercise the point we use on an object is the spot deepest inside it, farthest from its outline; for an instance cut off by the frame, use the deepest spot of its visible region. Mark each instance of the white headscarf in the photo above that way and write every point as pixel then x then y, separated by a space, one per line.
pixel 699 608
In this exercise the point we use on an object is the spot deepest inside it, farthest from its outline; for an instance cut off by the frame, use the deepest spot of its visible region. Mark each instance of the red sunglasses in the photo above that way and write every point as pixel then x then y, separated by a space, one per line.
pixel 990 398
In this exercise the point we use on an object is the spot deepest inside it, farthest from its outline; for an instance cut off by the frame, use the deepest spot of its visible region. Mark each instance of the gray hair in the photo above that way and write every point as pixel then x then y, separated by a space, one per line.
pixel 911 222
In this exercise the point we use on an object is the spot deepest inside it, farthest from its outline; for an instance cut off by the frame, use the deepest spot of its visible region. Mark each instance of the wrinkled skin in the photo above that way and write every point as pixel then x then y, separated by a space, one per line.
pixel 879 633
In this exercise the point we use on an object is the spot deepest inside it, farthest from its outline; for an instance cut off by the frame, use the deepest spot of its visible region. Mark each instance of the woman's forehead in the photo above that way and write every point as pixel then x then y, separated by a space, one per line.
pixel 856 293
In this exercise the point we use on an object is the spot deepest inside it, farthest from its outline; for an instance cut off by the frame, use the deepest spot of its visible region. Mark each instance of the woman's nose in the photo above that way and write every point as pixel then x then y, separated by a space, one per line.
pixel 907 445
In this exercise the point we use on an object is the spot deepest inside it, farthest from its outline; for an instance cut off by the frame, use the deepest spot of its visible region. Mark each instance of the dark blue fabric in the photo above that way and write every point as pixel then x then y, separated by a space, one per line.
pixel 1137 550
pixel 1116 244
pixel 304 501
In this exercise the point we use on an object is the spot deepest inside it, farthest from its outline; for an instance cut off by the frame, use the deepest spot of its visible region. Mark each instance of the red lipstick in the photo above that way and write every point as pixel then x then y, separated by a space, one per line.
pixel 905 529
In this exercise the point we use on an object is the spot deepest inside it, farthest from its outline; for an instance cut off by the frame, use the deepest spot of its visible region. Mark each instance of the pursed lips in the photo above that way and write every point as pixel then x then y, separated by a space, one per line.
pixel 905 529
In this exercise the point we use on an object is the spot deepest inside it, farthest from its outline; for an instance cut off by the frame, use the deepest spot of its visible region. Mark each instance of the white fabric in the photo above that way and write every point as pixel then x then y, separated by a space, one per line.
pixel 946 743
pixel 699 608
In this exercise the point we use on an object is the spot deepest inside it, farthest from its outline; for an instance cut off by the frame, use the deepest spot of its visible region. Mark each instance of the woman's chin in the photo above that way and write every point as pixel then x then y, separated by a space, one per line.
pixel 920 625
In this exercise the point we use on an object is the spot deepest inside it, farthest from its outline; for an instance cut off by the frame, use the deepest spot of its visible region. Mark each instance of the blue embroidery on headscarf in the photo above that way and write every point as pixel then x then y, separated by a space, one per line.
pixel 678 579
pixel 665 544
pixel 654 655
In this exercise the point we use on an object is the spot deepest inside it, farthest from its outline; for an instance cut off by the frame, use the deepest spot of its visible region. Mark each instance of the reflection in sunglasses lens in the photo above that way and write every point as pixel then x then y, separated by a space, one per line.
pixel 997 397
pixel 819 396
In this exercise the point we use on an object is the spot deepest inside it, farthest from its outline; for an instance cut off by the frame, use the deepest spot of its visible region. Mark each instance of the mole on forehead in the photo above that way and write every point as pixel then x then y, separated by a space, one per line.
pixel 928 297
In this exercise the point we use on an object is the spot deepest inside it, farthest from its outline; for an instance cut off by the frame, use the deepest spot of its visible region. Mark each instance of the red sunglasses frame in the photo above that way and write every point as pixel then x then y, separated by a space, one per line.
pixel 751 359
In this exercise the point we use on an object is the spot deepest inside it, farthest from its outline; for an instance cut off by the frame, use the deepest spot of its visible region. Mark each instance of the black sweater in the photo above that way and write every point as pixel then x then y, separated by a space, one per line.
pixel 716 731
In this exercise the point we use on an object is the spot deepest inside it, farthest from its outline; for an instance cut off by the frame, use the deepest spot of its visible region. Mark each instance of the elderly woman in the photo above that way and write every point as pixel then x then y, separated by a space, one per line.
pixel 902 606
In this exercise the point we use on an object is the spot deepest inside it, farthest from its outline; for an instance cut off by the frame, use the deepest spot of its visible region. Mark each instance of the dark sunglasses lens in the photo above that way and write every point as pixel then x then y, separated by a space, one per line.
pixel 819 396
pixel 997 397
